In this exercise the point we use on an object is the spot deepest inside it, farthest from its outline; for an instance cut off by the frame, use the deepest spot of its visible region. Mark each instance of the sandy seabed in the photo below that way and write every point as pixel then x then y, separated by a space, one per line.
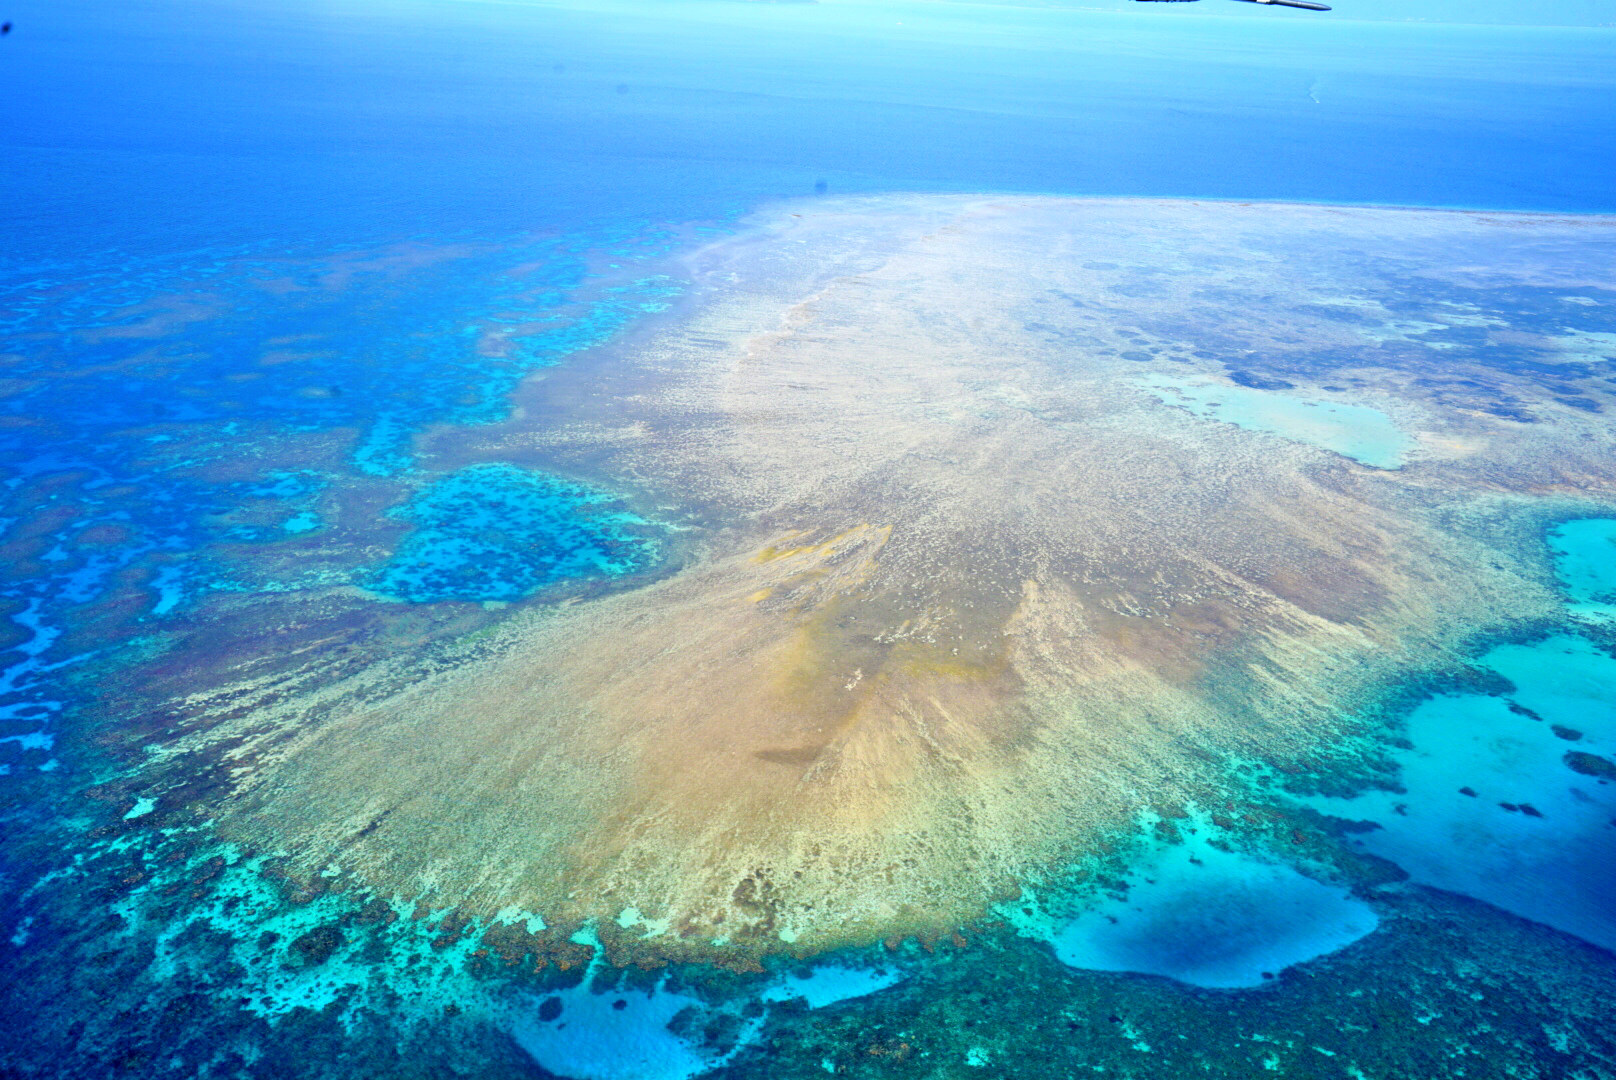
pixel 976 591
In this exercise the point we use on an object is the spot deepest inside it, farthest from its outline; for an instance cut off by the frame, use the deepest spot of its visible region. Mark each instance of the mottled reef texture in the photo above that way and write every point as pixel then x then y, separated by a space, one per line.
pixel 971 595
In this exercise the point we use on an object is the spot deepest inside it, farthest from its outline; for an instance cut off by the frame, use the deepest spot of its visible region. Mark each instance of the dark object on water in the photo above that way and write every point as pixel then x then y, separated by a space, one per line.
pixel 5 28
pixel 1308 4
pixel 1530 811
pixel 549 1009
pixel 317 946
pixel 1259 382
pixel 1468 791
pixel 1511 807
pixel 1590 764
pixel 1566 733
pixel 820 186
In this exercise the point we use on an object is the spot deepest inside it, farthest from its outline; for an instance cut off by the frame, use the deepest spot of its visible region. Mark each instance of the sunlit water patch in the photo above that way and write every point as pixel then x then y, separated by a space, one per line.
pixel 1365 435
pixel 593 1032
pixel 1202 914
pixel 828 984
pixel 496 532
pixel 590 1032
pixel 1511 800
pixel 633 1035
pixel 1585 556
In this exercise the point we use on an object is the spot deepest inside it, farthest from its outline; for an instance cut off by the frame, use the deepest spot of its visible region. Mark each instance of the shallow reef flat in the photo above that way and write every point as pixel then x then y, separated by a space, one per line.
pixel 1019 517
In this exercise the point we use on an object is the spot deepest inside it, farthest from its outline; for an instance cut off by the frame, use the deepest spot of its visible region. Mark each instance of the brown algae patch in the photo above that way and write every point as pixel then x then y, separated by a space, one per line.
pixel 975 595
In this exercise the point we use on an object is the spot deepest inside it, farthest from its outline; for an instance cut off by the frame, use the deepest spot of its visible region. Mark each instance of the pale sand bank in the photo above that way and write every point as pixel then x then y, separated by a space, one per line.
pixel 977 594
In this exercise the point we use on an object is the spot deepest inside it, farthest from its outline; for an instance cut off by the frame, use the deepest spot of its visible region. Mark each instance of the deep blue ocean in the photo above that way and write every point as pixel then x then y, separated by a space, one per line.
pixel 249 250
pixel 153 129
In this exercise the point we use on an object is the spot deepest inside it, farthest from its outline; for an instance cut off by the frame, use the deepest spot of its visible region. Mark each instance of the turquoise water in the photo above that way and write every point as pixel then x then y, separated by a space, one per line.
pixel 1492 806
pixel 654 1032
pixel 1203 914
pixel 830 984
pixel 496 532
pixel 1365 435
pixel 588 1035
pixel 1512 799
pixel 1585 556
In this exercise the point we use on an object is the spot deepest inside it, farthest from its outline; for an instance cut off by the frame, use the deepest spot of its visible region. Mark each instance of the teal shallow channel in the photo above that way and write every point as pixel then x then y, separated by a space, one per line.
pixel 497 532
pixel 1367 436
